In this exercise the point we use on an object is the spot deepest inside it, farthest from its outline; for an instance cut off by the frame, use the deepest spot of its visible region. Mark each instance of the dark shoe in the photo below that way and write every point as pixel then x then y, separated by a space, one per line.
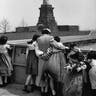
pixel 25 89
pixel 33 87
pixel 1 85
pixel 45 94
pixel 38 88
pixel 42 94
pixel 5 84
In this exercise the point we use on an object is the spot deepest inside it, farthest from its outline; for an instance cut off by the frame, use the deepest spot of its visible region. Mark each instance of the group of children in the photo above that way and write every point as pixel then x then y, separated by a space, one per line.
pixel 47 82
pixel 33 51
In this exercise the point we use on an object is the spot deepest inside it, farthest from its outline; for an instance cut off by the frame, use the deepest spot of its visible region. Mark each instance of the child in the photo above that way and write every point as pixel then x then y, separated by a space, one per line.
pixel 92 72
pixel 57 38
pixel 76 58
pixel 32 64
pixel 54 49
pixel 5 60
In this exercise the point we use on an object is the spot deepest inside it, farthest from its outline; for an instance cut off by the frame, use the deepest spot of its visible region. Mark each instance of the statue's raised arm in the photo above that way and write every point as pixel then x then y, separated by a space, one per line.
pixel 45 2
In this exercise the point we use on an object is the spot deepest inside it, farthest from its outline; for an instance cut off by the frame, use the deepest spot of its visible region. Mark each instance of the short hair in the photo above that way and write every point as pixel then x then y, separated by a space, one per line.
pixel 79 56
pixel 91 55
pixel 3 39
pixel 35 37
pixel 29 42
pixel 57 38
pixel 46 31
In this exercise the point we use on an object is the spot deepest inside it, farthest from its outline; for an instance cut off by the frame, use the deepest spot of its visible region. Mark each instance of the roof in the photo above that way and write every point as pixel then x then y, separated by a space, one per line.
pixel 18 42
pixel 77 38
pixel 64 39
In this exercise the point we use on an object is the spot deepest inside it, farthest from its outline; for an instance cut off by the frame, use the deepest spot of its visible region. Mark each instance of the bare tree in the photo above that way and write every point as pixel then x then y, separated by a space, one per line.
pixel 4 26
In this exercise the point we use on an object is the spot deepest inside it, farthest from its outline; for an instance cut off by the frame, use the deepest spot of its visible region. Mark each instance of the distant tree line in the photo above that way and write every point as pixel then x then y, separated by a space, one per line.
pixel 5 25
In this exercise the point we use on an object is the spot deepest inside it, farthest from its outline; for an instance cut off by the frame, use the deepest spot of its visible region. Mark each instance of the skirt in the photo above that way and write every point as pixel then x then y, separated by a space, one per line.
pixel 55 65
pixel 5 65
pixel 32 63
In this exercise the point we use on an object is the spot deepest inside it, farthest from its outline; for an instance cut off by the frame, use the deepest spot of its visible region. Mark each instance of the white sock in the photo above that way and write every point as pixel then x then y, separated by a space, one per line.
pixel 1 80
pixel 53 92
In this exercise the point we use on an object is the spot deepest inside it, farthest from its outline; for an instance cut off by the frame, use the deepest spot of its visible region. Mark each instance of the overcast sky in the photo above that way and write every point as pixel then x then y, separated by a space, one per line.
pixel 66 12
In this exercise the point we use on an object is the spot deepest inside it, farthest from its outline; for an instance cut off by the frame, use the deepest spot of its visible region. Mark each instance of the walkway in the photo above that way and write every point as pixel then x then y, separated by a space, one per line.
pixel 16 90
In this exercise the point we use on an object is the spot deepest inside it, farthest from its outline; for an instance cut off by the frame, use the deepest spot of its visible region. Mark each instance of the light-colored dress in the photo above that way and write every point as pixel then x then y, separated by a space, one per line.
pixel 5 61
pixel 55 63
pixel 43 44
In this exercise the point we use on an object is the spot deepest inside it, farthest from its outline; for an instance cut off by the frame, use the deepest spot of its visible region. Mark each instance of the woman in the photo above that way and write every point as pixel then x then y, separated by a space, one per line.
pixel 32 64
pixel 55 66
pixel 55 62
pixel 5 61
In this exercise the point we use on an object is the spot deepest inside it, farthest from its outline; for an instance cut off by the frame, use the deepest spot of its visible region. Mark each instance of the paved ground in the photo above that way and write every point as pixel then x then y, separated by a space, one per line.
pixel 16 90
